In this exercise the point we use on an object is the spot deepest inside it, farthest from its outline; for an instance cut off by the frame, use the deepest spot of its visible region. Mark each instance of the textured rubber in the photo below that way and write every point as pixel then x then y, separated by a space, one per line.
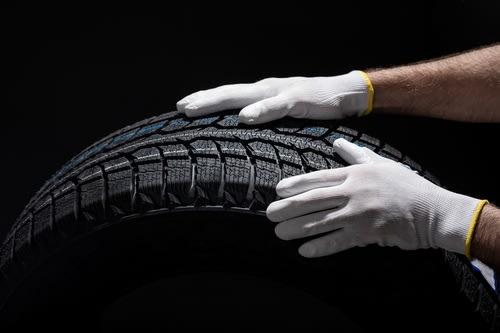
pixel 171 163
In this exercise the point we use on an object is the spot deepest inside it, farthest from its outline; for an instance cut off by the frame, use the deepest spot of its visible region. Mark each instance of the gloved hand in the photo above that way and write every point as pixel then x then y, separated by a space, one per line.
pixel 376 200
pixel 273 98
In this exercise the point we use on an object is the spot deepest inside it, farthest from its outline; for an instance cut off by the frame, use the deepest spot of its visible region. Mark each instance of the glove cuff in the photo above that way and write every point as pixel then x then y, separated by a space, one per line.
pixel 371 92
pixel 472 226
pixel 453 221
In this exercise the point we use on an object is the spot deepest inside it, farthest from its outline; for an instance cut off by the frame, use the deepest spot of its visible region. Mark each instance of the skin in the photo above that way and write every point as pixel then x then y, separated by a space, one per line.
pixel 449 88
pixel 486 240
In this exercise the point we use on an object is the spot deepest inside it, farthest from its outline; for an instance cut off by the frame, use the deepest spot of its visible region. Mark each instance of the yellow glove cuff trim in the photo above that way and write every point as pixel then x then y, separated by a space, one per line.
pixel 371 93
pixel 472 226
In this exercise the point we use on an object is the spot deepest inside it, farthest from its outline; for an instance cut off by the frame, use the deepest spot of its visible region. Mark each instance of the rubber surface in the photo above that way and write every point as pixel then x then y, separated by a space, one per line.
pixel 171 163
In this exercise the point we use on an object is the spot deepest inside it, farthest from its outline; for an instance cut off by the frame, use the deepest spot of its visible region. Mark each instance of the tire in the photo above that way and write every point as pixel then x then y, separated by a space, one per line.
pixel 171 195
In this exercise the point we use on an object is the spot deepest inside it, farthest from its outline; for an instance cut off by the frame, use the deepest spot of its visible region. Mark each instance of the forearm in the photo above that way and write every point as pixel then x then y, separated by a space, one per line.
pixel 485 244
pixel 465 87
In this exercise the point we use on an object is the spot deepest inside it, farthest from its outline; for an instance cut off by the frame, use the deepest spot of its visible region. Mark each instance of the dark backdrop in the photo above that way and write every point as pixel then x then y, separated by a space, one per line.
pixel 71 75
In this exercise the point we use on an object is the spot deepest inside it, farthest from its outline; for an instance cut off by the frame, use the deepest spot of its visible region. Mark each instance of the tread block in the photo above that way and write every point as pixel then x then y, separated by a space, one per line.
pixel 313 131
pixel 315 161
pixel 263 150
pixel 175 151
pixel 237 175
pixel 92 194
pixel 6 251
pixel 237 170
pixel 392 151
pixel 229 121
pixel 120 190
pixel 42 224
pixel 337 135
pixel 64 211
pixel 22 239
pixel 208 177
pixel 150 182
pixel 347 130
pixel 175 124
pixel 208 170
pixel 267 176
pixel 178 182
pixel 289 155
pixel 371 140
pixel 365 144
pixel 149 176
pixel 120 186
pixel 287 129
pixel 203 121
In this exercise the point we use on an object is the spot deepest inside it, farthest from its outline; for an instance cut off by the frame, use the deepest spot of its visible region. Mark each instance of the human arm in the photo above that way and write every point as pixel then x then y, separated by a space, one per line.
pixel 464 87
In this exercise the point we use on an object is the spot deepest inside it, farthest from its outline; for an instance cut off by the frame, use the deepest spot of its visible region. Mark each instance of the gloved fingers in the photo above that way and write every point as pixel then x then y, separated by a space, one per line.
pixel 350 152
pixel 266 110
pixel 311 224
pixel 302 183
pixel 222 98
pixel 334 242
pixel 305 203
pixel 354 154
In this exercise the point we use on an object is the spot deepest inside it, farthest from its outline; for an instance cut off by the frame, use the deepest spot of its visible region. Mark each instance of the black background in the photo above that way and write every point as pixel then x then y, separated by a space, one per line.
pixel 71 75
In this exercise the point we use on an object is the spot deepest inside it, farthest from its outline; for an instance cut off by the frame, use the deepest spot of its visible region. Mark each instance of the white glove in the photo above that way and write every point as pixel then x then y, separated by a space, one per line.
pixel 273 98
pixel 376 201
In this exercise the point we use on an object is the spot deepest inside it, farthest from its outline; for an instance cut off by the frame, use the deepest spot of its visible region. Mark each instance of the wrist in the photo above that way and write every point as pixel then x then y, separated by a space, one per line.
pixel 369 91
pixel 485 240
pixel 392 88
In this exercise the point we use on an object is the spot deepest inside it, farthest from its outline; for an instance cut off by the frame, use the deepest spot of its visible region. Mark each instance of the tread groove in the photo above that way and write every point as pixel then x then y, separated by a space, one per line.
pixel 52 220
pixel 222 184
pixel 104 195
pixel 77 201
pixel 164 201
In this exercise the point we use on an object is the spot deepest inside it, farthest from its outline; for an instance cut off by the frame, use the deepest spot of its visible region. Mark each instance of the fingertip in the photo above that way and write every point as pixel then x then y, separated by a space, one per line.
pixel 307 250
pixel 272 211
pixel 248 116
pixel 246 121
pixel 190 112
pixel 279 232
pixel 339 142
pixel 186 100
pixel 180 105
pixel 282 188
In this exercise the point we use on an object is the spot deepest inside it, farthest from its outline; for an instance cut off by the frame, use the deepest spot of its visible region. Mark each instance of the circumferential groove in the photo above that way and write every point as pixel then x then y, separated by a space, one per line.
pixel 77 204
pixel 52 221
pixel 163 197
pixel 134 178
pixel 192 187
pixel 32 229
pixel 251 181
pixel 222 184
pixel 279 162
pixel 104 194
